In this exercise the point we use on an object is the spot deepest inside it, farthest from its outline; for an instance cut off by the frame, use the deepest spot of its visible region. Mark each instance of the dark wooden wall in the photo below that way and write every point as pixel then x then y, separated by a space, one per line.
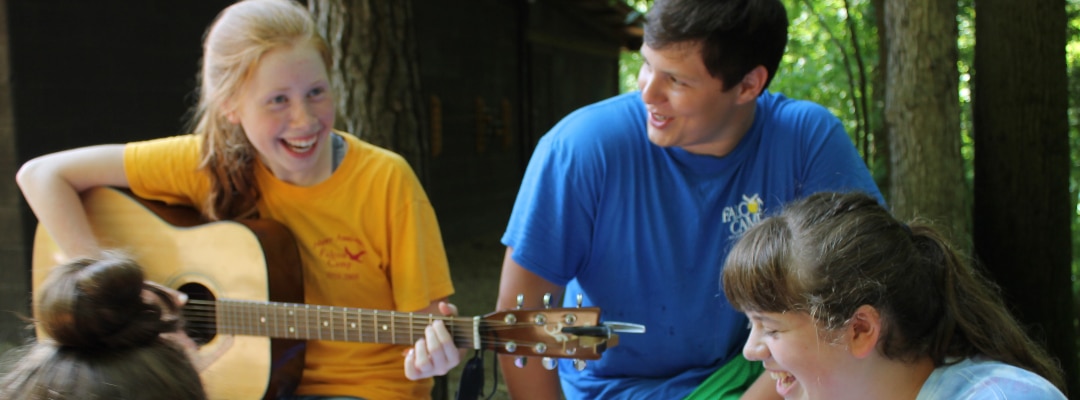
pixel 503 72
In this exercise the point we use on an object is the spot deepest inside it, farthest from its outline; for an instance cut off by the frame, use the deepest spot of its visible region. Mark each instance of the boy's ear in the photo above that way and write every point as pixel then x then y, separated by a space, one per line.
pixel 865 330
pixel 752 84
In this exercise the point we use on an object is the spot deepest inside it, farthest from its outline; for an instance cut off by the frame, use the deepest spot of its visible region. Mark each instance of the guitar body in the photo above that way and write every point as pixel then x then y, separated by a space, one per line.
pixel 254 260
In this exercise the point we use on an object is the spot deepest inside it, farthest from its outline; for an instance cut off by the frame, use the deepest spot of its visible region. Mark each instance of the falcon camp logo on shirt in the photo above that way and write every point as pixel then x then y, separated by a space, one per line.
pixel 744 215
pixel 342 256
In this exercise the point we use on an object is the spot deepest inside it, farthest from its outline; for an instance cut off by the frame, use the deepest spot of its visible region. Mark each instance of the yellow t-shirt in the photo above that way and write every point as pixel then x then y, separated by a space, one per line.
pixel 367 236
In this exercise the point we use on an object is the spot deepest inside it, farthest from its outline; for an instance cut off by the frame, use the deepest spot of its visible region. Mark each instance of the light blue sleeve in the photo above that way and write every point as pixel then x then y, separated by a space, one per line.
pixel 987 380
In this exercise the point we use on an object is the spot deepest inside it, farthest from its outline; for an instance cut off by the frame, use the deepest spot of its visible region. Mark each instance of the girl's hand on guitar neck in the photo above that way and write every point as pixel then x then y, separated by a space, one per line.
pixel 436 353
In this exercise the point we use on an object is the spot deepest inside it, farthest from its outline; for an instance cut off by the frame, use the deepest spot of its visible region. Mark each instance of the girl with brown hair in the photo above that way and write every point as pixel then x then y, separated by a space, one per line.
pixel 110 335
pixel 845 301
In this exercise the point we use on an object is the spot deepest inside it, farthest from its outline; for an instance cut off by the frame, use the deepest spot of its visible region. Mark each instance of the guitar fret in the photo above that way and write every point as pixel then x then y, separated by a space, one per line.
pixel 277 323
pixel 319 320
pixel 393 335
pixel 245 324
pixel 295 322
pixel 233 318
pixel 307 321
pixel 345 325
pixel 251 322
pixel 260 312
pixel 328 322
pixel 355 325
pixel 275 320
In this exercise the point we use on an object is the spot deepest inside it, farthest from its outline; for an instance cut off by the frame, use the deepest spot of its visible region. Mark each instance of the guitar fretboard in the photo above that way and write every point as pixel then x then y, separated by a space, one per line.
pixel 313 322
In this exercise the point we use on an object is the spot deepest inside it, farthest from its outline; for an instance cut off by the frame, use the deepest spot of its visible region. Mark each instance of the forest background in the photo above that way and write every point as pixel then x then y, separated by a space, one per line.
pixel 948 165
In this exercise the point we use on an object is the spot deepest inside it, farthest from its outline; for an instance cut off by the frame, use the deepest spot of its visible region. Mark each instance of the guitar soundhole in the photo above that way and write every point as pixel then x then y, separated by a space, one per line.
pixel 199 313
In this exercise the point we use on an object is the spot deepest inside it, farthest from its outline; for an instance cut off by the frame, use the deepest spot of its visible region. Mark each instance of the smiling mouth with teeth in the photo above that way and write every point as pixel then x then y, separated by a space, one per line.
pixel 300 146
pixel 784 381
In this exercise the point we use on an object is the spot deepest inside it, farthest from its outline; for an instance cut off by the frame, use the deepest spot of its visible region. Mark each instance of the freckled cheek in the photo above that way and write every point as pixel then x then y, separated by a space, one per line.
pixel 325 114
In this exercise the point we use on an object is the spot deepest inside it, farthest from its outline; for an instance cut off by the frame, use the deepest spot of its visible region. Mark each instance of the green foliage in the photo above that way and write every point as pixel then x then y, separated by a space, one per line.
pixel 629 64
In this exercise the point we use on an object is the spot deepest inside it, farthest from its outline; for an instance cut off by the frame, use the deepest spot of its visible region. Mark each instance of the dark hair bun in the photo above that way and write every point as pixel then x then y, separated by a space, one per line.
pixel 96 303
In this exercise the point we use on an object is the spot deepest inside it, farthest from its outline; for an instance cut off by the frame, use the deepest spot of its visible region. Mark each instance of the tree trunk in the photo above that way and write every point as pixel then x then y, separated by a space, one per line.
pixel 1022 215
pixel 376 73
pixel 922 114
pixel 878 128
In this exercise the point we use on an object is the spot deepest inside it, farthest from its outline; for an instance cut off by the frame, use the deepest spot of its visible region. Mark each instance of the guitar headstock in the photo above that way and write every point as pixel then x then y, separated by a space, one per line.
pixel 547 332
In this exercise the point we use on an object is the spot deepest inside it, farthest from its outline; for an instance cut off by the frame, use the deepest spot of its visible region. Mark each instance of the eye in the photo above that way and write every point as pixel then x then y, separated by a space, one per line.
pixel 316 92
pixel 279 99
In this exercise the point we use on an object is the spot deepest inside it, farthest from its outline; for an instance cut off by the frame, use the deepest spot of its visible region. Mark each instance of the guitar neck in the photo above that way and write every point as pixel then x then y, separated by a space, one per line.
pixel 313 322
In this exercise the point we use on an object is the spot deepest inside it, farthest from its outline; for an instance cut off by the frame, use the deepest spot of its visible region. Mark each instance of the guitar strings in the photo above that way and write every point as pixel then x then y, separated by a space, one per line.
pixel 207 309
pixel 348 324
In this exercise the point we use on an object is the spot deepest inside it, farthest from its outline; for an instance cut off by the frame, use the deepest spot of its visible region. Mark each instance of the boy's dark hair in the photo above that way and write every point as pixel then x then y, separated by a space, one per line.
pixel 736 35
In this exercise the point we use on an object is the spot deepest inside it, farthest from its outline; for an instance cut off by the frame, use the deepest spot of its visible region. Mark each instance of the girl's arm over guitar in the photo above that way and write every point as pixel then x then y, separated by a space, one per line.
pixel 436 353
pixel 51 185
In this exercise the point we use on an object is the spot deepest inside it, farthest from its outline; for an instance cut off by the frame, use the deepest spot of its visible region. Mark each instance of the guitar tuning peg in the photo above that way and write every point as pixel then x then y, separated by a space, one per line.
pixel 520 301
pixel 549 363
pixel 579 298
pixel 579 365
pixel 520 361
pixel 547 300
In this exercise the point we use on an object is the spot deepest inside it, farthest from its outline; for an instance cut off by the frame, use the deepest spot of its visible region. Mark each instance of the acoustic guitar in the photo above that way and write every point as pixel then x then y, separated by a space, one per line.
pixel 244 278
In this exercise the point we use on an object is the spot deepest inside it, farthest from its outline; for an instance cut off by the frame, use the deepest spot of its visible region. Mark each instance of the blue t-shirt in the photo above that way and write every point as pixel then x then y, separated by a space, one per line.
pixel 642 231
pixel 980 379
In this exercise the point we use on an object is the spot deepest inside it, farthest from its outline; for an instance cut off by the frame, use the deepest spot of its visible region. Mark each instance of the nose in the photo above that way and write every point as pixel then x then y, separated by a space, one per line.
pixel 649 87
pixel 304 118
pixel 754 349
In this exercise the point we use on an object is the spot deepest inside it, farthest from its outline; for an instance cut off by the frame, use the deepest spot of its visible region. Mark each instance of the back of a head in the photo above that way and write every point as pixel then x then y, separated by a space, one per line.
pixel 95 303
pixel 736 35
pixel 830 253
pixel 103 339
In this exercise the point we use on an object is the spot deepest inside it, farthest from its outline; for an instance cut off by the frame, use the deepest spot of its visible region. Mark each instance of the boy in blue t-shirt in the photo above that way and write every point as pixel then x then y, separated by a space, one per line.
pixel 633 203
